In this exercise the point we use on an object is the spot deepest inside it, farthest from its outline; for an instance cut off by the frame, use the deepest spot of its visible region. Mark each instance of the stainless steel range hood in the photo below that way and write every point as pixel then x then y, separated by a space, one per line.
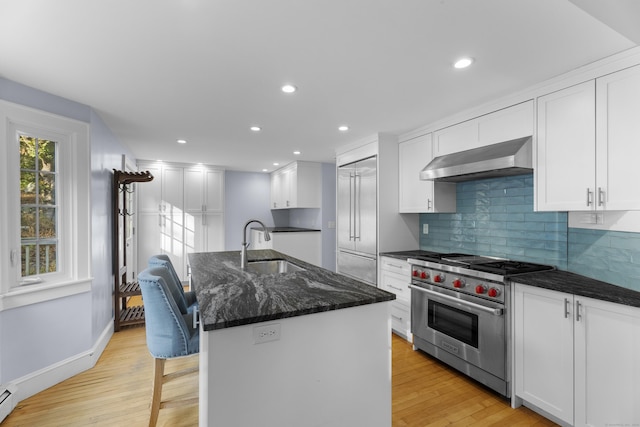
pixel 502 159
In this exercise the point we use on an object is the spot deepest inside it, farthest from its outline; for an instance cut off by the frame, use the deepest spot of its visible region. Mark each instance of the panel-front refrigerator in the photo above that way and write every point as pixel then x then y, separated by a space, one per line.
pixel 357 220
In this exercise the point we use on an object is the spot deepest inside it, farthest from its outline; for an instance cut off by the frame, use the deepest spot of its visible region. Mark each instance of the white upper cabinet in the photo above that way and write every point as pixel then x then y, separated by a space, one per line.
pixel 565 170
pixel 588 145
pixel 203 189
pixel 503 125
pixel 297 185
pixel 618 140
pixel 416 195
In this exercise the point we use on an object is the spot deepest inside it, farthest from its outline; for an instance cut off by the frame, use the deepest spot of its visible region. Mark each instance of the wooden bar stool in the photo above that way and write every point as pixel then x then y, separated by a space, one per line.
pixel 170 334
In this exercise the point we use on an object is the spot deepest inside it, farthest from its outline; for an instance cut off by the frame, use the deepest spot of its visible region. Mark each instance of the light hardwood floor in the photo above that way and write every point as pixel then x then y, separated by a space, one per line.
pixel 117 392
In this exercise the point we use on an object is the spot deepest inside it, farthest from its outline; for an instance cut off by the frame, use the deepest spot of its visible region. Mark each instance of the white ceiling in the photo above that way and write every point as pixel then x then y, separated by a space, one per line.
pixel 206 70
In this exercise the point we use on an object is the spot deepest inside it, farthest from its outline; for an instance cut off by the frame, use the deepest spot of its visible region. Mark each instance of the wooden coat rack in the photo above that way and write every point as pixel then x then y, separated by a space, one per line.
pixel 124 315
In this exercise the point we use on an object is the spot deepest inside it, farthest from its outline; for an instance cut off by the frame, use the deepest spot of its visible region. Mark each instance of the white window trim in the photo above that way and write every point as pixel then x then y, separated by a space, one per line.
pixel 75 206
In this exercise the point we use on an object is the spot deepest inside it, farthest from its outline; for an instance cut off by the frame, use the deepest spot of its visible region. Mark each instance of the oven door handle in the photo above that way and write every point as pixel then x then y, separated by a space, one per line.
pixel 494 311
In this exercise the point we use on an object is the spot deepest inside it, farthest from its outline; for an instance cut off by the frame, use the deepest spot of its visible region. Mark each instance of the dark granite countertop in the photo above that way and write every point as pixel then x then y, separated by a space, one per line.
pixel 404 254
pixel 286 229
pixel 228 296
pixel 564 281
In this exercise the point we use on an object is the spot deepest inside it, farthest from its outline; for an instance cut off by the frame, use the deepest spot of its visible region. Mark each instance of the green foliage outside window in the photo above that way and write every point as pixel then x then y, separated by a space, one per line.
pixel 38 205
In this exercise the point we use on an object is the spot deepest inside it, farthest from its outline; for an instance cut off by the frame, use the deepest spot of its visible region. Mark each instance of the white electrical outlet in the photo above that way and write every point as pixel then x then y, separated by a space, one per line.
pixel 266 333
pixel 425 228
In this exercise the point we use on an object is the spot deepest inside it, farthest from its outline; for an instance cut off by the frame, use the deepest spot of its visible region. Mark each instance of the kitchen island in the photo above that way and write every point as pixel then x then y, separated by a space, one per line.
pixel 300 348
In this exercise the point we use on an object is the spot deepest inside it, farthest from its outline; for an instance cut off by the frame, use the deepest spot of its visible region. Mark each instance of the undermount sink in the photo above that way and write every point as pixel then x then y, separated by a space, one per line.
pixel 274 266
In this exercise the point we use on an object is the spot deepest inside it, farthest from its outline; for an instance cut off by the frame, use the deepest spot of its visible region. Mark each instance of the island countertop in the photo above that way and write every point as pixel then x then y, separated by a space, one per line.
pixel 229 296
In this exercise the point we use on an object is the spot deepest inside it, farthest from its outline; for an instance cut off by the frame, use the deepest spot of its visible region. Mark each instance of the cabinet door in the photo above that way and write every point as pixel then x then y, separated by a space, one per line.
pixel 453 139
pixel 416 195
pixel 506 124
pixel 172 188
pixel 204 232
pixel 149 233
pixel 544 349
pixel 306 186
pixel 194 189
pixel 565 169
pixel 618 139
pixel 214 190
pixel 150 193
pixel 607 347
pixel 290 187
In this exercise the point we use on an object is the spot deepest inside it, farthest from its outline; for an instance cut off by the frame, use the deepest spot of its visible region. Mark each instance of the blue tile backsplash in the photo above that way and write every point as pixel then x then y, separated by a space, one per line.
pixel 610 256
pixel 495 217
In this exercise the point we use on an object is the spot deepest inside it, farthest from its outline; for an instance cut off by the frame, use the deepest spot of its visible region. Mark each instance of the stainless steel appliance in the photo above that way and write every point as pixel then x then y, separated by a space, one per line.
pixel 357 220
pixel 503 159
pixel 460 313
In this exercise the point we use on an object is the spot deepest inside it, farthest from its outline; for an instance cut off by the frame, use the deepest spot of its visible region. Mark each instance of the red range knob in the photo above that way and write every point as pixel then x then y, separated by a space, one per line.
pixel 493 292
pixel 458 283
pixel 480 289
pixel 415 273
pixel 438 278
pixel 424 275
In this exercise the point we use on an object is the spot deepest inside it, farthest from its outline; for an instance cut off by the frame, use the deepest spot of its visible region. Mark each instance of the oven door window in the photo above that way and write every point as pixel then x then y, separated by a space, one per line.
pixel 455 323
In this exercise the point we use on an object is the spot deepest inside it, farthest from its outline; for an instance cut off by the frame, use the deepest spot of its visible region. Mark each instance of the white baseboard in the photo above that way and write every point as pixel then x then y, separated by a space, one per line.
pixel 42 379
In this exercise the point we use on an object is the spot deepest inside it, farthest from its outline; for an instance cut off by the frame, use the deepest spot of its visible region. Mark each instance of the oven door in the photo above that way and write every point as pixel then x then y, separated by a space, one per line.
pixel 467 327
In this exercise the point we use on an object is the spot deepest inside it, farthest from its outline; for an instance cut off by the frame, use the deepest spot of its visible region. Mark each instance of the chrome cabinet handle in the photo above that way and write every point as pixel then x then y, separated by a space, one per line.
pixel 600 196
pixel 429 204
pixel 566 308
pixel 588 197
pixel 578 315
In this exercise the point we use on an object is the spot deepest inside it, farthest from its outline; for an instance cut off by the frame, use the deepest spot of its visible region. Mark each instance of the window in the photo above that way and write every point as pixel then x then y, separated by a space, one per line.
pixel 45 228
pixel 38 210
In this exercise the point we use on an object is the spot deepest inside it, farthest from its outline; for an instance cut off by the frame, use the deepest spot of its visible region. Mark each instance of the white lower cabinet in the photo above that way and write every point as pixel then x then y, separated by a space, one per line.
pixel 576 358
pixel 395 277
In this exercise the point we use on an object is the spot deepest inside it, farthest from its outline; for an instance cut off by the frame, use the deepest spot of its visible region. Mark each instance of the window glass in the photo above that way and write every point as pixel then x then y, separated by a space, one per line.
pixel 38 205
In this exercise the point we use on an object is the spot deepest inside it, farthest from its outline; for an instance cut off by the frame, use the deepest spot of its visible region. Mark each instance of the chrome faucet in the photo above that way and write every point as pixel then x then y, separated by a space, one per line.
pixel 243 251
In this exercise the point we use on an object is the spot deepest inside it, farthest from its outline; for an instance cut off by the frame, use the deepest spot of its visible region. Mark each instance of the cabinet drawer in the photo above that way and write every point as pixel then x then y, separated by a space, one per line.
pixel 398 266
pixel 401 318
pixel 397 284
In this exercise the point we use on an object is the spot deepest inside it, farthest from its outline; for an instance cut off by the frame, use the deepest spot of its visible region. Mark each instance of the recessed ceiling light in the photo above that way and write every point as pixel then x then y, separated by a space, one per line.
pixel 181 141
pixel 289 88
pixel 255 128
pixel 276 164
pixel 265 170
pixel 463 62
pixel 297 153
pixel 343 128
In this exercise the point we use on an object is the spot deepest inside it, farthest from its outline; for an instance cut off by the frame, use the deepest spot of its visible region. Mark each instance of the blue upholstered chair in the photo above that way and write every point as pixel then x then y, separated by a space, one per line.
pixel 187 302
pixel 170 333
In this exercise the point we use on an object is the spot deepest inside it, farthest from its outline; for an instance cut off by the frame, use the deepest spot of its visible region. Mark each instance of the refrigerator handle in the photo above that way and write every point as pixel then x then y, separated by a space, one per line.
pixel 358 225
pixel 351 205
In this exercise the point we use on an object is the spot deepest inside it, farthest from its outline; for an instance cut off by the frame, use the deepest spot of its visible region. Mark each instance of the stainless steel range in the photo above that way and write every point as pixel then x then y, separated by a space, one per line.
pixel 460 312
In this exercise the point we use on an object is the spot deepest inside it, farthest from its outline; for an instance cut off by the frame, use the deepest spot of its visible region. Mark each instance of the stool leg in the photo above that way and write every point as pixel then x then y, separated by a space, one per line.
pixel 158 374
